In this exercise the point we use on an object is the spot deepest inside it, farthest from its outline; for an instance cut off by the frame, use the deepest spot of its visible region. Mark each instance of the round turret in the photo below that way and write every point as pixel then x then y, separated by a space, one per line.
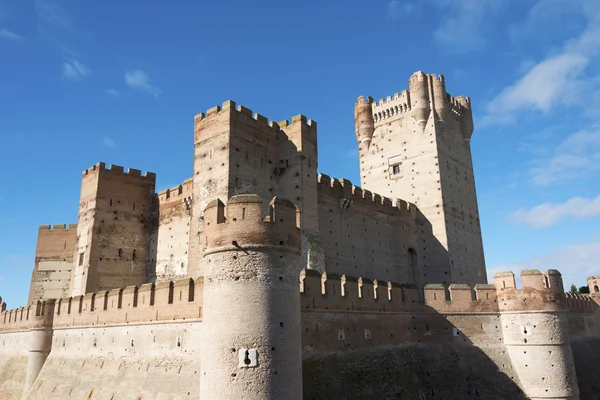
pixel 251 343
pixel 440 97
pixel 466 122
pixel 363 120
pixel 419 96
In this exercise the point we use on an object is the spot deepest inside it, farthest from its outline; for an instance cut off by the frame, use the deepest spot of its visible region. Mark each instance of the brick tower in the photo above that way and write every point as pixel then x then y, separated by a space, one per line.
pixel 416 146
pixel 113 229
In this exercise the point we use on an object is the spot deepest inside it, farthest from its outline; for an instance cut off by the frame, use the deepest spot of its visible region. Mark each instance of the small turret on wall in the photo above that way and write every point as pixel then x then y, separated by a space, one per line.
pixel 536 333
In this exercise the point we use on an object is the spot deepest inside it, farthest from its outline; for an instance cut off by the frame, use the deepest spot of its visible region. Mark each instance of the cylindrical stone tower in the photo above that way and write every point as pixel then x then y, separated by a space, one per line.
pixel 39 342
pixel 536 335
pixel 364 124
pixel 251 339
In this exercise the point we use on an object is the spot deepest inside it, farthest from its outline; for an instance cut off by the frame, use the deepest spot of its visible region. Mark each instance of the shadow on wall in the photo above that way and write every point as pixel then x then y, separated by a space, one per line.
pixel 375 340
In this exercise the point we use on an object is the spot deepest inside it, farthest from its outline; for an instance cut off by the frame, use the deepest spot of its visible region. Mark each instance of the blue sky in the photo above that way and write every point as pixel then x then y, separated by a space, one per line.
pixel 120 82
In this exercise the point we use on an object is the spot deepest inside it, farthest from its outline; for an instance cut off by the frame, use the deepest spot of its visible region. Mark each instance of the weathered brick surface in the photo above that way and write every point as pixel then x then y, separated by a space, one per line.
pixel 51 276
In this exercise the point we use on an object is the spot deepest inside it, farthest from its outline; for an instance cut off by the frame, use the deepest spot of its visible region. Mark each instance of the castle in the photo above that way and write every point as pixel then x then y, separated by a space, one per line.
pixel 259 278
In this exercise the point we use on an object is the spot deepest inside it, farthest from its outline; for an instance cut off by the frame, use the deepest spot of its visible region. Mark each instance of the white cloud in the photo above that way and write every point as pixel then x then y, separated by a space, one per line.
pixel 9 35
pixel 139 80
pixel 113 92
pixel 397 9
pixel 108 142
pixel 551 81
pixel 576 262
pixel 576 157
pixel 547 214
pixel 75 70
pixel 558 80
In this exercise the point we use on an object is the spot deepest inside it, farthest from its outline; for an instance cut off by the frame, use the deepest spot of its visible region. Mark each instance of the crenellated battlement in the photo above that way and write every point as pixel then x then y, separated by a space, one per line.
pixel 345 190
pixel 347 293
pixel 581 303
pixel 119 170
pixel 34 316
pixel 241 223
pixel 166 301
pixel 57 227
pixel 183 191
pixel 392 106
pixel 231 106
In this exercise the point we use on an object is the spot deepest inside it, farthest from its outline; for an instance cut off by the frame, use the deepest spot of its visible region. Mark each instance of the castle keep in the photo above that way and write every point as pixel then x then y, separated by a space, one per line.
pixel 260 278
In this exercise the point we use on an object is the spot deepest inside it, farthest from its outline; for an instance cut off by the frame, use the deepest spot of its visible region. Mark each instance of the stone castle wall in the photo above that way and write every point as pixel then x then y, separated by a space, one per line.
pixel 169 239
pixel 363 233
pixel 360 338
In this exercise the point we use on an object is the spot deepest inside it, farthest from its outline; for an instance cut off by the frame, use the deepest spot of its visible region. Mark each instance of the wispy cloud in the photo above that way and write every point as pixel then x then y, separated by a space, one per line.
pixel 10 35
pixel 558 80
pixel 576 262
pixel 51 12
pixel 75 70
pixel 108 142
pixel 548 214
pixel 139 80
pixel 463 23
pixel 397 9
pixel 576 157
pixel 112 92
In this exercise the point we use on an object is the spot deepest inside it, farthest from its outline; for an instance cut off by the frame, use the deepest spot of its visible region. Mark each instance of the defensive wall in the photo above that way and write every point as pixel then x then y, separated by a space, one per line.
pixel 361 338
pixel 129 343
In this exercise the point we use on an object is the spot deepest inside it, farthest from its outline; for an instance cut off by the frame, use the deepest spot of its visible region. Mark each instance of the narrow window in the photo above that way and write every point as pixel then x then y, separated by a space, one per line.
pixel 243 213
pixel 110 202
pixel 396 169
pixel 120 253
pixel 134 206
pixel 81 258
pixel 133 255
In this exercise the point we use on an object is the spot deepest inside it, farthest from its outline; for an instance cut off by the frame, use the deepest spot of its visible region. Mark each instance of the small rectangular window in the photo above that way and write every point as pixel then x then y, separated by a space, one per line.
pixel 81 258
pixel 396 169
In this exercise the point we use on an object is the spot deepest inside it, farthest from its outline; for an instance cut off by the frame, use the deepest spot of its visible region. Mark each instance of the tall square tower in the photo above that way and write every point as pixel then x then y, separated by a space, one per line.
pixel 416 146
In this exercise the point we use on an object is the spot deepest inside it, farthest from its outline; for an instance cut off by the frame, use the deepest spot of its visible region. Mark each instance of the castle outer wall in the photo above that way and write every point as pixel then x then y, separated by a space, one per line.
pixel 360 339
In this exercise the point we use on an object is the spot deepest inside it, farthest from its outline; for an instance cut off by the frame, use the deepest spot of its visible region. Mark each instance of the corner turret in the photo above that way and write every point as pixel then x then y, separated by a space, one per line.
pixel 440 97
pixel 363 120
pixel 419 98
pixel 466 122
